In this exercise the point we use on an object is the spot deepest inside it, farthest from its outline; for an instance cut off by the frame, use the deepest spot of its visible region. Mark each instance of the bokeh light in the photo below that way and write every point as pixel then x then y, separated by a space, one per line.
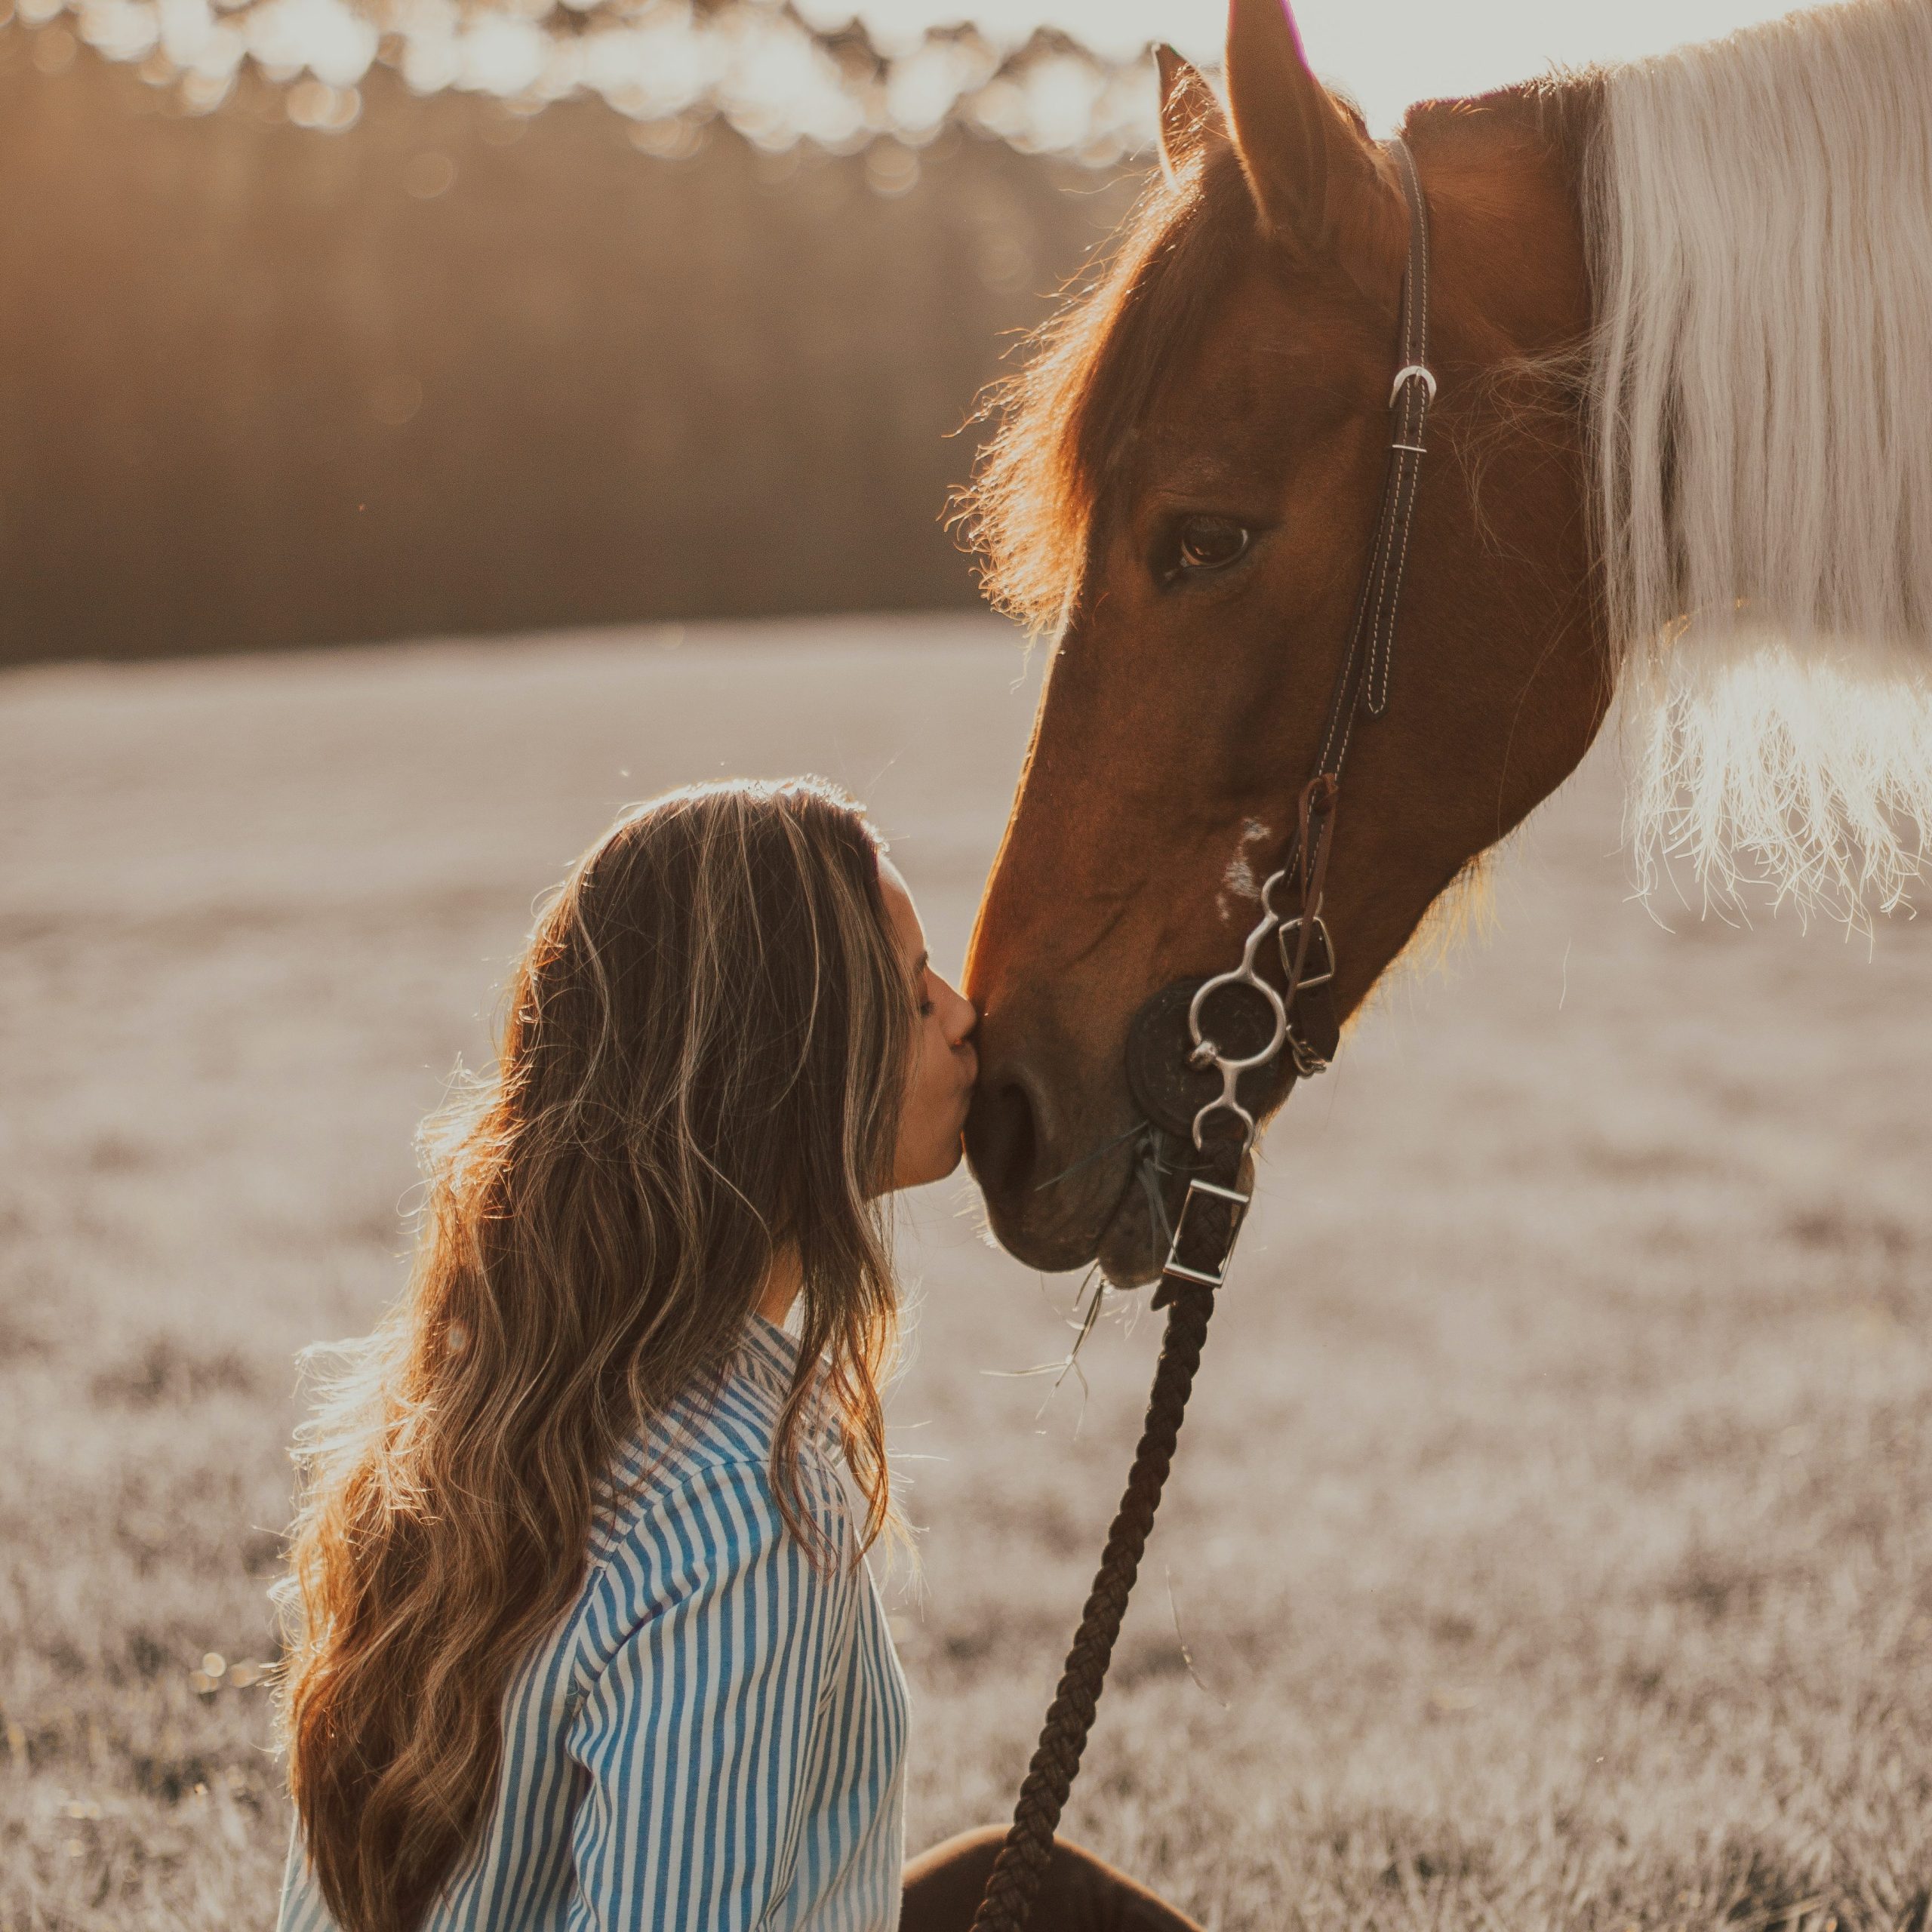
pixel 1065 77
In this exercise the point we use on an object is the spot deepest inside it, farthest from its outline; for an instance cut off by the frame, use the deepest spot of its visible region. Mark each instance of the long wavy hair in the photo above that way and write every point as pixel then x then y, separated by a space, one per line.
pixel 702 1066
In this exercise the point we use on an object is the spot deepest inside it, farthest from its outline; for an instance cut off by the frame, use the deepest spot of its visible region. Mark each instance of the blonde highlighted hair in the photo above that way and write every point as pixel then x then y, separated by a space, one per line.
pixel 701 1067
pixel 1760 217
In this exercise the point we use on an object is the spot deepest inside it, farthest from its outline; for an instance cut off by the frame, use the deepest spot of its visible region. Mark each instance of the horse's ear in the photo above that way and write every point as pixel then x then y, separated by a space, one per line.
pixel 1190 115
pixel 1305 157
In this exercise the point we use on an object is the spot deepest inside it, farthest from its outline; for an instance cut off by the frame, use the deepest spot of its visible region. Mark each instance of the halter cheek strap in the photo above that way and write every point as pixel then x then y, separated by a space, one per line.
pixel 1362 681
pixel 1409 398
pixel 1212 1074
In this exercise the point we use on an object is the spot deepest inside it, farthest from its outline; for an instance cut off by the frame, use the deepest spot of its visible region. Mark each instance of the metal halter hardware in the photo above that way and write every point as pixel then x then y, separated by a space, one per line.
pixel 1162 1064
pixel 1208 1053
pixel 1197 1189
pixel 1409 373
pixel 1307 982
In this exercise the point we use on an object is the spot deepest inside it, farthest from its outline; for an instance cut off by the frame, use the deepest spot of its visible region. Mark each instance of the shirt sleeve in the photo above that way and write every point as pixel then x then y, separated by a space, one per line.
pixel 696 1735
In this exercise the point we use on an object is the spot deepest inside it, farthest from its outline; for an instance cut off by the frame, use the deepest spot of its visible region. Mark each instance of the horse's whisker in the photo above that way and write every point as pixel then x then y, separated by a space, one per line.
pixel 1087 1160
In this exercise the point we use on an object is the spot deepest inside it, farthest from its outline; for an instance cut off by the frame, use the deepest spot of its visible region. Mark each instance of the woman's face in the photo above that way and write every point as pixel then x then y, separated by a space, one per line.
pixel 940 1083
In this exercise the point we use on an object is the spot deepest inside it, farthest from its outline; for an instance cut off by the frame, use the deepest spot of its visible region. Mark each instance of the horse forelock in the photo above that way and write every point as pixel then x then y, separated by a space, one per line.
pixel 1066 420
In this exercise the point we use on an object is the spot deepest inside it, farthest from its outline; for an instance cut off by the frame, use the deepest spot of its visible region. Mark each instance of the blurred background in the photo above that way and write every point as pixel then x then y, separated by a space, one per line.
pixel 333 320
pixel 478 417
pixel 297 360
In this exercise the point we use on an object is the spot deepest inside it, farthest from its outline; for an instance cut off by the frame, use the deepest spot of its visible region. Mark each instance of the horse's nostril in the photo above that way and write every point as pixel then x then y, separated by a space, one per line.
pixel 1002 1137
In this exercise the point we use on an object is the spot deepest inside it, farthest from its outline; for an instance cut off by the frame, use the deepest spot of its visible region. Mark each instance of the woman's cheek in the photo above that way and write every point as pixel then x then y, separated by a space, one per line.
pixel 929 1095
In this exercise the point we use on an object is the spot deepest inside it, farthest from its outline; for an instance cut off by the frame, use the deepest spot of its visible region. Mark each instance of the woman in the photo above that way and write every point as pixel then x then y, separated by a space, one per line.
pixel 582 1635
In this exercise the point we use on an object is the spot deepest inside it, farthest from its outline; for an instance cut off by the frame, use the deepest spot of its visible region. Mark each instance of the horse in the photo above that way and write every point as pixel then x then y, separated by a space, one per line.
pixel 1680 456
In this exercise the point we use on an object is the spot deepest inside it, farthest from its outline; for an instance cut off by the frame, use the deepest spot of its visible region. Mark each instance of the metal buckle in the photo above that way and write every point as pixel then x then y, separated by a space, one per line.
pixel 1320 948
pixel 1408 373
pixel 1177 1266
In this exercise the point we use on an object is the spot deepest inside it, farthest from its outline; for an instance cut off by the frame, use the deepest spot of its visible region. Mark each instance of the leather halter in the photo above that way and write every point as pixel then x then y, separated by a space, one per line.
pixel 1202 1060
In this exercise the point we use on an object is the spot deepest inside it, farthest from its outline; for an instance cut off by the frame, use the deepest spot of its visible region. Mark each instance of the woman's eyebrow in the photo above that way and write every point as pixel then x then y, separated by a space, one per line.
pixel 919 966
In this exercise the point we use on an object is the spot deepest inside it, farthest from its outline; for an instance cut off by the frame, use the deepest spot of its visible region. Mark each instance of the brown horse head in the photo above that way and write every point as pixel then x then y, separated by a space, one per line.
pixel 1186 486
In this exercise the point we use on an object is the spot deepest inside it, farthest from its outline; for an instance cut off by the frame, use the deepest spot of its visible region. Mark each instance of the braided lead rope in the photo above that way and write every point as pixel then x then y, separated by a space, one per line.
pixel 1023 1858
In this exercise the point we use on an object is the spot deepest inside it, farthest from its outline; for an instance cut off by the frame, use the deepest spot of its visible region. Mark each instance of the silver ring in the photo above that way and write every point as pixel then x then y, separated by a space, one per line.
pixel 1277 1011
pixel 1403 375
pixel 1207 1052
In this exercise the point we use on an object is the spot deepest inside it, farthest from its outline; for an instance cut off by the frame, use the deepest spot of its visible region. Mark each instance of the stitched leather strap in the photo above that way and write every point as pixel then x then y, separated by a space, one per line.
pixel 1363 676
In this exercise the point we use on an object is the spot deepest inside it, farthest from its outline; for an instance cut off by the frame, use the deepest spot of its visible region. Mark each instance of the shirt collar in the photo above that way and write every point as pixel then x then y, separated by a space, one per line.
pixel 768 1358
pixel 768 1355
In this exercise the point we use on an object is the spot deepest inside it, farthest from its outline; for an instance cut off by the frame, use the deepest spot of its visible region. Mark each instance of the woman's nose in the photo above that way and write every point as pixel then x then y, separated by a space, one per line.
pixel 965 1020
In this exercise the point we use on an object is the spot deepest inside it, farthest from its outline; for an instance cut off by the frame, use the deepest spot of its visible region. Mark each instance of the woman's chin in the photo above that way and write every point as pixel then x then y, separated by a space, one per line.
pixel 940 1164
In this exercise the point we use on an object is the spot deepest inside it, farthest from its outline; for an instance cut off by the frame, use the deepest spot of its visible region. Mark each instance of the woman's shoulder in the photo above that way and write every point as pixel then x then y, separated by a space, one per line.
pixel 694 1492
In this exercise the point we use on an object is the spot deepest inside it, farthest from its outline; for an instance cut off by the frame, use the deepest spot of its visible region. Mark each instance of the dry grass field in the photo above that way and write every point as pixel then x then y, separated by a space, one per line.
pixel 1552 1542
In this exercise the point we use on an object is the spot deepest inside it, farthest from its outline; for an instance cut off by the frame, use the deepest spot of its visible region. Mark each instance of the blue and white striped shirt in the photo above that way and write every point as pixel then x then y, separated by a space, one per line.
pixel 712 1740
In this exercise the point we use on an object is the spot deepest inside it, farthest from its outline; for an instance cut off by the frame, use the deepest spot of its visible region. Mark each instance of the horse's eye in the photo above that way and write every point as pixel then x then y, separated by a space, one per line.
pixel 1210 542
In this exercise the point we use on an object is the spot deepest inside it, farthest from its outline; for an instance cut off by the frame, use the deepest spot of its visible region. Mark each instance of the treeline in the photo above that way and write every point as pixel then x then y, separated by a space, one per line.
pixel 454 369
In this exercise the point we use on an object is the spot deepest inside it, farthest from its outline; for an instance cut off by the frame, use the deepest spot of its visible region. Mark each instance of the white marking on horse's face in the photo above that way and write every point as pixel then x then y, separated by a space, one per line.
pixel 1238 881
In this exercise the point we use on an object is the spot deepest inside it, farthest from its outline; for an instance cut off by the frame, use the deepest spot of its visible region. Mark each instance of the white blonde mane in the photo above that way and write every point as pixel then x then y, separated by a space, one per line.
pixel 1760 229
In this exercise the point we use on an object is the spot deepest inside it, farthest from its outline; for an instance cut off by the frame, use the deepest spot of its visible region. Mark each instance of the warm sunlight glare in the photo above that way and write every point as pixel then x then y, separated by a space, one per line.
pixel 1386 52
pixel 669 65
